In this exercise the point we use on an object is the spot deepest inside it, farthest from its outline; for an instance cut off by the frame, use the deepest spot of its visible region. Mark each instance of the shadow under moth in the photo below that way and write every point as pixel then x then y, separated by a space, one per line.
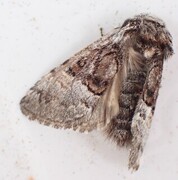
pixel 111 85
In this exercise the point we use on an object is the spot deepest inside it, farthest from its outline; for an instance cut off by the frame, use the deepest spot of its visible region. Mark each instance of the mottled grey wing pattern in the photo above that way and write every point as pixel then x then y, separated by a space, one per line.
pixel 113 83
pixel 73 94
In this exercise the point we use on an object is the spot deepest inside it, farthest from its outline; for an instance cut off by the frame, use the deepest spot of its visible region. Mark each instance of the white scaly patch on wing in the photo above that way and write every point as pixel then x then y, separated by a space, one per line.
pixel 140 127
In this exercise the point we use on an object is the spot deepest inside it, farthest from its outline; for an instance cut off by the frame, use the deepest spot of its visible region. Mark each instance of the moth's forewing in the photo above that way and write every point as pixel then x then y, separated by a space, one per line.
pixel 73 94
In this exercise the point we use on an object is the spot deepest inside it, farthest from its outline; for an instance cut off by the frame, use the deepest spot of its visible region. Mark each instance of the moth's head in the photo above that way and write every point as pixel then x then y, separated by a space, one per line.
pixel 151 31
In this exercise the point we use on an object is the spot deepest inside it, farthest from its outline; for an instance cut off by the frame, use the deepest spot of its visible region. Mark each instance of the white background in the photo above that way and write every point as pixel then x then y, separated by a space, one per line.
pixel 36 36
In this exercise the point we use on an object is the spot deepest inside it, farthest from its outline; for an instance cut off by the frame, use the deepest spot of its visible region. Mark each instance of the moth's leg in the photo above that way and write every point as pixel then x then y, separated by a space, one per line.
pixel 142 118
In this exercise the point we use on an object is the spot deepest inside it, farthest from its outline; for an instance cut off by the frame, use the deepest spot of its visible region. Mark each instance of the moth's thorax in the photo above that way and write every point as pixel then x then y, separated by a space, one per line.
pixel 146 33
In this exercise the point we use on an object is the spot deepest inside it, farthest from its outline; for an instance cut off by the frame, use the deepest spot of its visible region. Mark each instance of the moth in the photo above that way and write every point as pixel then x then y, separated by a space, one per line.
pixel 111 85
